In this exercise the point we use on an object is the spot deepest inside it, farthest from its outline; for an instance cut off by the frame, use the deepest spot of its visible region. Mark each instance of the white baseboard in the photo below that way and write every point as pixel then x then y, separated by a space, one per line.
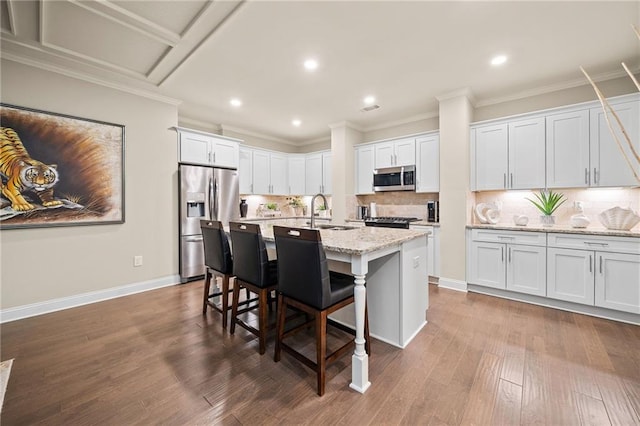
pixel 34 309
pixel 452 284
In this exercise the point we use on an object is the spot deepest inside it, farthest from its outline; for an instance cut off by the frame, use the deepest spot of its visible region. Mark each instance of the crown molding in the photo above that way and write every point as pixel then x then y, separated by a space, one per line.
pixel 402 121
pixel 12 17
pixel 213 127
pixel 91 79
pixel 240 130
pixel 464 91
pixel 341 124
pixel 315 141
pixel 554 88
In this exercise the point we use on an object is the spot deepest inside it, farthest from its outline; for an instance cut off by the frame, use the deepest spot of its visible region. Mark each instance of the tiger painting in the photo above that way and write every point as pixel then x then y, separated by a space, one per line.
pixel 24 174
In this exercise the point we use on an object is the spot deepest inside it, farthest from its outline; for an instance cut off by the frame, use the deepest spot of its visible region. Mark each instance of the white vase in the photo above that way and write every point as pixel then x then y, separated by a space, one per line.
pixel 547 220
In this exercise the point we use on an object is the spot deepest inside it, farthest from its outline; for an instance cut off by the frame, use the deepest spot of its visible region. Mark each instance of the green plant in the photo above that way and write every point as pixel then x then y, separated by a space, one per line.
pixel 272 206
pixel 548 201
pixel 322 207
pixel 295 202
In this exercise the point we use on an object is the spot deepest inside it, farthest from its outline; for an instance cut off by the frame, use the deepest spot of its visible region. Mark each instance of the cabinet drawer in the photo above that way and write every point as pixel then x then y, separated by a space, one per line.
pixel 596 242
pixel 511 237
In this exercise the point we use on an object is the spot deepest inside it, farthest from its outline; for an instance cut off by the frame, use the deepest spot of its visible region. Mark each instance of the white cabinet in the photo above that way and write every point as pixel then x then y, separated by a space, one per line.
pixel 509 155
pixel 364 166
pixel 428 163
pixel 318 173
pixel 401 152
pixel 508 260
pixel 568 149
pixel 245 170
pixel 269 173
pixel 433 248
pixel 208 149
pixel 296 174
pixel 594 270
pixel 608 165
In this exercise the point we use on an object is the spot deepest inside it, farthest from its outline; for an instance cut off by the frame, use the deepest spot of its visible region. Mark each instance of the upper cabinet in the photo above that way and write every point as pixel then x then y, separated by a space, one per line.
pixel 208 149
pixel 270 173
pixel 364 166
pixel 318 173
pixel 428 163
pixel 245 170
pixel 570 147
pixel 401 152
pixel 296 174
pixel 508 155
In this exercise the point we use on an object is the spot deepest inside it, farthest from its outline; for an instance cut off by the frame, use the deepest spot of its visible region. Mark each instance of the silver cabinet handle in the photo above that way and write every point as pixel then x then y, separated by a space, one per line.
pixel 502 253
pixel 590 263
pixel 586 176
pixel 251 188
pixel 214 158
pixel 591 243
pixel 511 180
pixel 509 254
pixel 504 180
pixel 505 237
pixel 595 175
pixel 600 264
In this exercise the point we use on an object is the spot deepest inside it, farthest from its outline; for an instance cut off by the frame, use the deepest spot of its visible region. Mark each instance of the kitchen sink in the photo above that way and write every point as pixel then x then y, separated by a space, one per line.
pixel 335 227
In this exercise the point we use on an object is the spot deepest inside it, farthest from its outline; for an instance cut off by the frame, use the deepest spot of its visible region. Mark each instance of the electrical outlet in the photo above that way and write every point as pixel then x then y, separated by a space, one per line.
pixel 137 260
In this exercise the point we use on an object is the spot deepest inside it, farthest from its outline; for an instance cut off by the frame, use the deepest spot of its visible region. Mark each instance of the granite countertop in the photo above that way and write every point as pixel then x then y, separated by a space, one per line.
pixel 358 241
pixel 563 229
pixel 418 222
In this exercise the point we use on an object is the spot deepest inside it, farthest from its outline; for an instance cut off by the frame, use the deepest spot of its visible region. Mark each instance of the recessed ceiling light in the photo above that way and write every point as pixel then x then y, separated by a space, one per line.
pixel 369 100
pixel 311 64
pixel 296 122
pixel 235 102
pixel 498 60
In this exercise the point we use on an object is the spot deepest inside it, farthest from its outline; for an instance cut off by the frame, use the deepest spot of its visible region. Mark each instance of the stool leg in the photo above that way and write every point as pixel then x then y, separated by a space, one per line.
pixel 321 349
pixel 225 299
pixel 207 287
pixel 282 314
pixel 234 306
pixel 262 320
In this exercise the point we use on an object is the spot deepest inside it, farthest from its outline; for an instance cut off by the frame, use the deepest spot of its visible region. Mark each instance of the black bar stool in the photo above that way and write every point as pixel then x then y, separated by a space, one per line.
pixel 218 262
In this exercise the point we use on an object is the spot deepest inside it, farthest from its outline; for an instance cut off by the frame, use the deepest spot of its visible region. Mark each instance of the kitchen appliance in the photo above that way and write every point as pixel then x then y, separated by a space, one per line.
pixel 206 193
pixel 402 178
pixel 390 222
pixel 433 211
pixel 362 212
pixel 372 210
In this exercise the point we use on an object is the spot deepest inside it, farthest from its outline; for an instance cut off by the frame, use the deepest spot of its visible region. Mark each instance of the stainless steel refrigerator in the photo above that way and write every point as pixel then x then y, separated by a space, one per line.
pixel 206 193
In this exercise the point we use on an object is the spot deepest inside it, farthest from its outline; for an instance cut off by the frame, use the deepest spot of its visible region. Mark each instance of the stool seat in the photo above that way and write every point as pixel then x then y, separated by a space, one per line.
pixel 218 262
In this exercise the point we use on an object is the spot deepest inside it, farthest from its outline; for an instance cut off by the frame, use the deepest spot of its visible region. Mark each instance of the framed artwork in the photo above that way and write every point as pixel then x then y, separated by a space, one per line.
pixel 59 170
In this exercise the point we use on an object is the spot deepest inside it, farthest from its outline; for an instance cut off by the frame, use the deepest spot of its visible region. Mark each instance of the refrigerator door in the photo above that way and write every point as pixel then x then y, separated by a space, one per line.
pixel 196 185
pixel 191 257
pixel 225 196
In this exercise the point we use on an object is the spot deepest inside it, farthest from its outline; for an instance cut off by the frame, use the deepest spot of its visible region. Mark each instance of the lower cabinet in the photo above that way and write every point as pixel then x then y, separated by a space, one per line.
pixel 509 265
pixel 570 275
pixel 433 248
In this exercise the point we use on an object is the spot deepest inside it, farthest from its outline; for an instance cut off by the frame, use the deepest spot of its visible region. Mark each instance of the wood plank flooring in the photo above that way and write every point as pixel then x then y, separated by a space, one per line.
pixel 152 358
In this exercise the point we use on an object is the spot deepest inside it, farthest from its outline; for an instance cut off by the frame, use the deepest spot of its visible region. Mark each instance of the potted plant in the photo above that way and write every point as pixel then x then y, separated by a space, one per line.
pixel 548 202
pixel 322 211
pixel 297 205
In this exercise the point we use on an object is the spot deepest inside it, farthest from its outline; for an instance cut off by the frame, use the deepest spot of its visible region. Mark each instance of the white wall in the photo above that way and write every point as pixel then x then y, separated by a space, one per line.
pixel 40 265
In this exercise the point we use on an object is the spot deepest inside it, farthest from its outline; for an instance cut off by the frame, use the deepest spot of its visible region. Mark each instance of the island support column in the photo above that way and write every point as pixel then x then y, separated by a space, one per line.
pixel 360 359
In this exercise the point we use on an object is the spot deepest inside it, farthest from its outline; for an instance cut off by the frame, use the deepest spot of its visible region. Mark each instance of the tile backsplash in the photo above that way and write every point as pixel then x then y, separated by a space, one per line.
pixel 594 201
pixel 405 204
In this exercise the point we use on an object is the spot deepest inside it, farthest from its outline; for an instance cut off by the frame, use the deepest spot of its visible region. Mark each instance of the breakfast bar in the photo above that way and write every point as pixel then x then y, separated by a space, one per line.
pixel 390 273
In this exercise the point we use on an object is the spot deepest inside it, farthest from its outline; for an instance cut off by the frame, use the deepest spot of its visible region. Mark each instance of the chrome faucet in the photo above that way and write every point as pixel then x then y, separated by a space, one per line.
pixel 313 201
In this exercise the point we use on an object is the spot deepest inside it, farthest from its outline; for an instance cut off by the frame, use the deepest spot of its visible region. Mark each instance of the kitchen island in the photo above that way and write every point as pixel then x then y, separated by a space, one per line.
pixel 392 263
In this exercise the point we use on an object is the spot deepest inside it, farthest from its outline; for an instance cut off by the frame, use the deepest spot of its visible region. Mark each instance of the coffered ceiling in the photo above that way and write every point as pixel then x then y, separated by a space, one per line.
pixel 203 53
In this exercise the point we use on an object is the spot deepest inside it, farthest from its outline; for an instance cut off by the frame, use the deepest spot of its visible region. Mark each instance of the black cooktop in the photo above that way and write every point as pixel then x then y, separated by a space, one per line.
pixel 390 221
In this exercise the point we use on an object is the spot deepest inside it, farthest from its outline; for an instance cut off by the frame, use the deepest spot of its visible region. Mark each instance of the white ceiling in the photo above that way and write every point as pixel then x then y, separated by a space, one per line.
pixel 404 53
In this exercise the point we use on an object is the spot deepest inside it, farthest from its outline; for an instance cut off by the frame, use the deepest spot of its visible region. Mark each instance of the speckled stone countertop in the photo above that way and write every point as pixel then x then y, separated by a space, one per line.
pixel 418 222
pixel 359 240
pixel 561 229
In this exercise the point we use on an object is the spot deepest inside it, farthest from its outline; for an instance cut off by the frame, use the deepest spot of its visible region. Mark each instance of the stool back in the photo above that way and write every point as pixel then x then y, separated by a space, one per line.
pixel 303 273
pixel 217 253
pixel 250 259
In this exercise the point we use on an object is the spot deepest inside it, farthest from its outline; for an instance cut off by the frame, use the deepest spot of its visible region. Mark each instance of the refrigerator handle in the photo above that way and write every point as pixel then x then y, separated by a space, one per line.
pixel 216 201
pixel 211 200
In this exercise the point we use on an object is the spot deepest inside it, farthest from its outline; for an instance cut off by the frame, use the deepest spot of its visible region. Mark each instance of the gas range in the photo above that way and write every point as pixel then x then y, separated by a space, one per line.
pixel 390 222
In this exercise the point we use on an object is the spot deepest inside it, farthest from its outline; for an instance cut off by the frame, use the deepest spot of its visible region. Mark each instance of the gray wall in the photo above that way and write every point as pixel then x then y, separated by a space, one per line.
pixel 44 264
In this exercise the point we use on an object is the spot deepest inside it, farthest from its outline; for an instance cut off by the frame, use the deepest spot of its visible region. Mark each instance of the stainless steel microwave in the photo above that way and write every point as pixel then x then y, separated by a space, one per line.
pixel 401 178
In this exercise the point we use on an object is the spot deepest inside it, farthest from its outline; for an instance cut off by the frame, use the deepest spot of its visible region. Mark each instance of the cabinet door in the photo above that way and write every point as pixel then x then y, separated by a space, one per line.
pixel 261 173
pixel 195 148
pixel 570 275
pixel 313 174
pixel 404 152
pixel 384 154
pixel 527 269
pixel 490 157
pixel 278 168
pixel 245 171
pixel 618 281
pixel 608 164
pixel 488 264
pixel 428 164
pixel 568 150
pixel 327 171
pixel 296 176
pixel 526 154
pixel 225 153
pixel 364 159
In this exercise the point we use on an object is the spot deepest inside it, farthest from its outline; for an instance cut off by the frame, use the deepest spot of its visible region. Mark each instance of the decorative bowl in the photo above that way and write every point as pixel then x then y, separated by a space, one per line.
pixel 619 218
pixel 579 221
pixel 520 220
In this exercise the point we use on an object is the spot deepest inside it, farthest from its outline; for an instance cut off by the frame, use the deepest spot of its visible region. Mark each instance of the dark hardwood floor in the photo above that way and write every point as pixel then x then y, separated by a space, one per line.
pixel 152 358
